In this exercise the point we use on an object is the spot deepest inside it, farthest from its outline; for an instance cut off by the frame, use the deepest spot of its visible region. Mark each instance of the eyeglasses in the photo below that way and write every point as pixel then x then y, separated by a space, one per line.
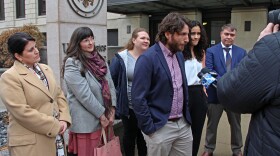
pixel 88 39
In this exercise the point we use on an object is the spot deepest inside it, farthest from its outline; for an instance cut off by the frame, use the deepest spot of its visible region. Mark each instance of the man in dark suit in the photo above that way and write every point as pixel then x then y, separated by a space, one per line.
pixel 221 58
pixel 159 91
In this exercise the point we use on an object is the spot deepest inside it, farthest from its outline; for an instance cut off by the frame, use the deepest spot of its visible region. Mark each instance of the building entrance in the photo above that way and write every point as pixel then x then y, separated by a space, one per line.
pixel 213 20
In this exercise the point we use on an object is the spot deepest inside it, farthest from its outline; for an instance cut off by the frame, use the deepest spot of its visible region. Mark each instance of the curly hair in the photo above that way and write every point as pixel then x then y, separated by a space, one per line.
pixel 173 22
pixel 199 49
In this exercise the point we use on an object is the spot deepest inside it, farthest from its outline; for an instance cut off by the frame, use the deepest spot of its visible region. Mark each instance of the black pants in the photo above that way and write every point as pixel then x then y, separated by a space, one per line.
pixel 131 134
pixel 198 109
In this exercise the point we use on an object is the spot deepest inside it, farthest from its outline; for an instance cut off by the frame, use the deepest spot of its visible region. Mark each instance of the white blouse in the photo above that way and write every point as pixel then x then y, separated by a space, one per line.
pixel 192 68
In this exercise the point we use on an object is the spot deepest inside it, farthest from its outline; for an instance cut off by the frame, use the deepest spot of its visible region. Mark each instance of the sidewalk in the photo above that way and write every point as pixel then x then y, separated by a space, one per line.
pixel 223 136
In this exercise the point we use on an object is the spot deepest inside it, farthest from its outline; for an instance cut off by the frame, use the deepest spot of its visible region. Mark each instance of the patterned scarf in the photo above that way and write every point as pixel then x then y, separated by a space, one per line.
pixel 97 66
pixel 38 72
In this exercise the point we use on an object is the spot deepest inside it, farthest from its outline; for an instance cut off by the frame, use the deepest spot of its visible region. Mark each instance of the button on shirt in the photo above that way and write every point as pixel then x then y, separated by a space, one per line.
pixel 177 82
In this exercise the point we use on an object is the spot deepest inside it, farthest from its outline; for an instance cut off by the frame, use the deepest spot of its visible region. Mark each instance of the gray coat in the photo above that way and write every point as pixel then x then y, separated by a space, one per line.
pixel 84 97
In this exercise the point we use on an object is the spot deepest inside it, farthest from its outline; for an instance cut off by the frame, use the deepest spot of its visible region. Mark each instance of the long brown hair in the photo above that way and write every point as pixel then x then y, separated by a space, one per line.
pixel 199 49
pixel 74 48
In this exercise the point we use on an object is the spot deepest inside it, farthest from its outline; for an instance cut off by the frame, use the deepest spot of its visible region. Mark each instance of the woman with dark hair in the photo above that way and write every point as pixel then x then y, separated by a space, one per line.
pixel 38 112
pixel 122 69
pixel 194 54
pixel 90 92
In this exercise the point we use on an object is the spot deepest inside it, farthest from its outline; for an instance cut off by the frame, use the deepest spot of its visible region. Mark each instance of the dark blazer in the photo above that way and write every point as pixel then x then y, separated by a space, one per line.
pixel 215 61
pixel 254 87
pixel 152 90
pixel 119 77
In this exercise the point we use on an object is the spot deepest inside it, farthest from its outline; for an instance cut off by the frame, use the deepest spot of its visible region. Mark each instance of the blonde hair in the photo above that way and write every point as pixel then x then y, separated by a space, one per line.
pixel 130 44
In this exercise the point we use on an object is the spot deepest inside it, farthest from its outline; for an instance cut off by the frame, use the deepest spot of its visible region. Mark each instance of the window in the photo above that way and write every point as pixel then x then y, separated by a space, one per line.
pixel 41 7
pixel 20 8
pixel 45 41
pixel 2 11
pixel 247 26
pixel 112 37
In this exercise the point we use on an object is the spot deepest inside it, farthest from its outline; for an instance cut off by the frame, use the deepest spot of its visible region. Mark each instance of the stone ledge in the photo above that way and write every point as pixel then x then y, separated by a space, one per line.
pixel 4 122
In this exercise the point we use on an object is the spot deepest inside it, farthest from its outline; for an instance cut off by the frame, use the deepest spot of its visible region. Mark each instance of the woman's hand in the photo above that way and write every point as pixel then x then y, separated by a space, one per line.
pixel 103 121
pixel 112 116
pixel 63 126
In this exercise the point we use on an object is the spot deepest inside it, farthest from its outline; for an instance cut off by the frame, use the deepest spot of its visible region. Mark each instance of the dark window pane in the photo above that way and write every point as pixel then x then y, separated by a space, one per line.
pixel 2 10
pixel 247 26
pixel 42 7
pixel 20 8
pixel 112 38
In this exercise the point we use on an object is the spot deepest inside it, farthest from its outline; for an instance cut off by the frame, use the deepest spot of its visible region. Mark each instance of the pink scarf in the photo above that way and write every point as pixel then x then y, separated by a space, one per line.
pixel 97 66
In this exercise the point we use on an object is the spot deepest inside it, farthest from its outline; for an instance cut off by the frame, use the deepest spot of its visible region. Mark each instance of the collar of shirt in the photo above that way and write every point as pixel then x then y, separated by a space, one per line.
pixel 230 51
pixel 165 50
pixel 223 46
pixel 225 53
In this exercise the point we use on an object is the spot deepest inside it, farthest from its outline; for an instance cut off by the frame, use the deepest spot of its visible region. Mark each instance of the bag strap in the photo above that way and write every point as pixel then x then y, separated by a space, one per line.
pixel 111 132
pixel 103 135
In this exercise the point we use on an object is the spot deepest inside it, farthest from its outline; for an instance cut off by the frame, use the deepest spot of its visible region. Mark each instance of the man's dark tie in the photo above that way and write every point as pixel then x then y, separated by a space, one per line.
pixel 228 59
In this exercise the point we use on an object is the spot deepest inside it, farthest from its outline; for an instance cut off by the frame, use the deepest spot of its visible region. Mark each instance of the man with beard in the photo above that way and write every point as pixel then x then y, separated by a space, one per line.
pixel 222 58
pixel 159 91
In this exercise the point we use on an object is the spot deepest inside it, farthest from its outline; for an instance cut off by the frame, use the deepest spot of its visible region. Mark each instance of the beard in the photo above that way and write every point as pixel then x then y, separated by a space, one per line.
pixel 174 47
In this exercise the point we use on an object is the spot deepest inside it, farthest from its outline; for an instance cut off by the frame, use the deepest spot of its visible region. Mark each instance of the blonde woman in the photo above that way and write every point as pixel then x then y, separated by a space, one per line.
pixel 122 69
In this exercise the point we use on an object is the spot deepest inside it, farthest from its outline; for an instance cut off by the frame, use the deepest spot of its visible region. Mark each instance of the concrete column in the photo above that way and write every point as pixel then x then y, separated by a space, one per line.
pixel 258 19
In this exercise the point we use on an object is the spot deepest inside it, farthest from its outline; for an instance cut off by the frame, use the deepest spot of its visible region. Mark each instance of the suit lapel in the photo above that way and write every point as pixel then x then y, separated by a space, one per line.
pixel 51 81
pixel 163 61
pixel 221 56
pixel 94 79
pixel 182 66
pixel 31 78
pixel 181 63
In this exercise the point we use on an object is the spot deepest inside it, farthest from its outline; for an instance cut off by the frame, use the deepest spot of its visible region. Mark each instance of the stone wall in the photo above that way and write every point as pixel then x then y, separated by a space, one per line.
pixel 2 70
pixel 3 125
pixel 4 121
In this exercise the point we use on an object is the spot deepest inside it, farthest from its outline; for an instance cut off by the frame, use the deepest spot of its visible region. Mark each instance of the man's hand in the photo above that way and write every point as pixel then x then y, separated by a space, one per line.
pixel 270 28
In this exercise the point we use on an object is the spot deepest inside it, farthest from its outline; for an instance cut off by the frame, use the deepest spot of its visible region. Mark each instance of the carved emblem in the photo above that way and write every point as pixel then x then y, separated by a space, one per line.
pixel 86 3
pixel 86 8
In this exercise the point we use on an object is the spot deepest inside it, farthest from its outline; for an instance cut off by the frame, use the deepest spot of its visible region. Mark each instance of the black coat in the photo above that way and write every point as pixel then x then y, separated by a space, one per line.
pixel 254 87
